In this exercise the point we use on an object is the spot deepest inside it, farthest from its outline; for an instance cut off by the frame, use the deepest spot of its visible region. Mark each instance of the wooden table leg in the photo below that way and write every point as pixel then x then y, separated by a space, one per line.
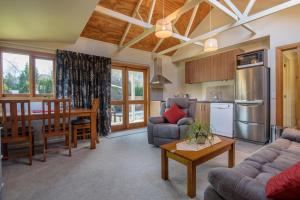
pixel 164 165
pixel 231 156
pixel 93 130
pixel 191 179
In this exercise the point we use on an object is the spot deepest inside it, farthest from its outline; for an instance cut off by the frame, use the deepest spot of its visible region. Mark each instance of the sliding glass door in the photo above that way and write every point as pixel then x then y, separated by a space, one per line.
pixel 129 92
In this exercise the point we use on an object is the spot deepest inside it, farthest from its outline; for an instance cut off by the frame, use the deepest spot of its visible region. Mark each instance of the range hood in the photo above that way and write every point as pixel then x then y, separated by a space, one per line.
pixel 158 80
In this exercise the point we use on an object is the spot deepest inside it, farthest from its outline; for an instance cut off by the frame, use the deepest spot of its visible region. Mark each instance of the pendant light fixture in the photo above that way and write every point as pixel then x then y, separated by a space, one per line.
pixel 163 27
pixel 210 44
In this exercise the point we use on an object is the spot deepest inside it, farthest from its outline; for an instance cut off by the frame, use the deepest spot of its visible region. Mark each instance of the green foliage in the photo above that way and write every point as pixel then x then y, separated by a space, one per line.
pixel 200 130
pixel 44 85
pixel 139 91
pixel 10 82
pixel 21 83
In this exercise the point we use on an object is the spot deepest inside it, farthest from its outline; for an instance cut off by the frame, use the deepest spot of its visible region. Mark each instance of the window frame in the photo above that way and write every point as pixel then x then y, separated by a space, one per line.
pixel 32 56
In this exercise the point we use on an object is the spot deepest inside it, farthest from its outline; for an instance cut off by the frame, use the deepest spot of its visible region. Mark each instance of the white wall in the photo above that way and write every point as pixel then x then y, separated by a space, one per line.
pixel 175 73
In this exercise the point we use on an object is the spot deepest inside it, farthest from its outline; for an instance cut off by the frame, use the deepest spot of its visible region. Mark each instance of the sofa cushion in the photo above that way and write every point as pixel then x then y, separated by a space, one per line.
pixel 170 131
pixel 241 182
pixel 232 185
pixel 174 114
pixel 285 185
pixel 291 134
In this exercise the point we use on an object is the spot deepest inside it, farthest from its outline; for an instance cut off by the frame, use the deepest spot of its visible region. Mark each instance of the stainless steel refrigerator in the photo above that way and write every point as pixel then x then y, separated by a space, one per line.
pixel 252 97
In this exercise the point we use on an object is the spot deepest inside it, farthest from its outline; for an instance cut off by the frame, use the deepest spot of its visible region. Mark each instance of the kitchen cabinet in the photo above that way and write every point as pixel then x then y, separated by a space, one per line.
pixel 212 68
pixel 203 112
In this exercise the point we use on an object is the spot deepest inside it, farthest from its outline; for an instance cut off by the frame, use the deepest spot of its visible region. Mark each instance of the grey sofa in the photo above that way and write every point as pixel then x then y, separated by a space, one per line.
pixel 248 179
pixel 161 132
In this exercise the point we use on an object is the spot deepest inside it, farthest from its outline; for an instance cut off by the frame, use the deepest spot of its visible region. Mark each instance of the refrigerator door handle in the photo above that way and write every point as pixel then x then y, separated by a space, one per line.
pixel 249 102
pixel 250 123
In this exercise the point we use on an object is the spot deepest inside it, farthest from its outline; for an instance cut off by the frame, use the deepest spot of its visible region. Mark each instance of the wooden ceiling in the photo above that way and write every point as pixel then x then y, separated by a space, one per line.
pixel 108 29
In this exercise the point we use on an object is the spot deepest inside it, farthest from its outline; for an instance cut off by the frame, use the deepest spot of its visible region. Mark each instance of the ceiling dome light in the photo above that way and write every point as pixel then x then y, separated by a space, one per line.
pixel 163 28
pixel 211 44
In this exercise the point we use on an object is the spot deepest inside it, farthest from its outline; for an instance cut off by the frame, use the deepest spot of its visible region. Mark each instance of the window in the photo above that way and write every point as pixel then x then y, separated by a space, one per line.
pixel 43 76
pixel 15 73
pixel 26 73
pixel 116 84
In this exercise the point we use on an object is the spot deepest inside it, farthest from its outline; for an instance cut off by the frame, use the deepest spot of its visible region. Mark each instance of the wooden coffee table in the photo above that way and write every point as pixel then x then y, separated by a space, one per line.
pixel 193 158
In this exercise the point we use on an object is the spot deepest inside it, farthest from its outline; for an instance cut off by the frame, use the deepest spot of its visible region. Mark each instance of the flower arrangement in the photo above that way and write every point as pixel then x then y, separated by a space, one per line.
pixel 200 133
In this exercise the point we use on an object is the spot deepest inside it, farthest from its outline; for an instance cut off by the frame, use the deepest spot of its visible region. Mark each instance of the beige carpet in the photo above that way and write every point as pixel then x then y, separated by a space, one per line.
pixel 121 168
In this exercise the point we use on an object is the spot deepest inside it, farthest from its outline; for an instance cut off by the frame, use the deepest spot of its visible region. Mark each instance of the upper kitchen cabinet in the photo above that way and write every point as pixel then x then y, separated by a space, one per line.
pixel 213 68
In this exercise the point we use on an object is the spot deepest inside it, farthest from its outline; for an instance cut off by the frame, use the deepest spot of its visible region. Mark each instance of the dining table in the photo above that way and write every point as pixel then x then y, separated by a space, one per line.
pixel 76 112
pixel 79 112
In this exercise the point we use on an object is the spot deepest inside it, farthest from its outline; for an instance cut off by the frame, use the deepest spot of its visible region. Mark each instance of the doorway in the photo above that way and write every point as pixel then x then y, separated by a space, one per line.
pixel 288 86
pixel 129 96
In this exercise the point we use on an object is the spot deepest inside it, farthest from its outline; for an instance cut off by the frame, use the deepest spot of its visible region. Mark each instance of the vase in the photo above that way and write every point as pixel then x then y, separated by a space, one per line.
pixel 201 140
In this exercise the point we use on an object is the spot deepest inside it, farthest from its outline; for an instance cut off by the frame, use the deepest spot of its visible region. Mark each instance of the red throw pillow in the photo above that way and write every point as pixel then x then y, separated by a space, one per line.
pixel 285 185
pixel 174 114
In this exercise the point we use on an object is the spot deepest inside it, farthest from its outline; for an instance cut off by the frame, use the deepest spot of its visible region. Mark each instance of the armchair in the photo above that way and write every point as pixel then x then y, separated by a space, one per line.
pixel 161 132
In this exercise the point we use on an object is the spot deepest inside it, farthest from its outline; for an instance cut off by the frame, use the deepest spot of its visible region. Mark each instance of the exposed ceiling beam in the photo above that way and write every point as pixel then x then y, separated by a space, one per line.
pixel 137 39
pixel 185 39
pixel 249 7
pixel 150 28
pixel 151 11
pixel 158 45
pixel 249 28
pixel 186 7
pixel 242 21
pixel 173 16
pixel 175 29
pixel 129 24
pixel 219 5
pixel 188 29
pixel 233 8
pixel 139 15
pixel 122 17
pixel 239 14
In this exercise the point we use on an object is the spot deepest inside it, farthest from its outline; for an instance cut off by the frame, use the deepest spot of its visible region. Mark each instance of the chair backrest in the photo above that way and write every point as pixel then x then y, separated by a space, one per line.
pixel 187 105
pixel 56 115
pixel 16 118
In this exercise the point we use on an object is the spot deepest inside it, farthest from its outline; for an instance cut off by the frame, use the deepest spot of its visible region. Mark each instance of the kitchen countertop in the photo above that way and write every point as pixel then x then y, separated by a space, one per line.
pixel 215 101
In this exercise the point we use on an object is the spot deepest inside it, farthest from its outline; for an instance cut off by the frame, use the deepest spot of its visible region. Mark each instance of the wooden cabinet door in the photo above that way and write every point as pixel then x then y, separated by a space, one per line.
pixel 207 113
pixel 217 68
pixel 206 69
pixel 213 68
pixel 203 113
pixel 188 67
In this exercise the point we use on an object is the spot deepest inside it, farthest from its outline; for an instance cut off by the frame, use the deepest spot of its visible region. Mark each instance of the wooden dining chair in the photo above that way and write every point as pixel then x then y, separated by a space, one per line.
pixel 82 127
pixel 16 122
pixel 56 119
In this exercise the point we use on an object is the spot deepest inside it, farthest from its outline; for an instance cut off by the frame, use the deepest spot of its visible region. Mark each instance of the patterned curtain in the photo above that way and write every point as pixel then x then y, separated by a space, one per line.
pixel 82 78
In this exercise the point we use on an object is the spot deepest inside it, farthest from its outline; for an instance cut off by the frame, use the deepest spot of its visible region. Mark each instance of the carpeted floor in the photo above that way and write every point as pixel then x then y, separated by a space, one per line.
pixel 121 168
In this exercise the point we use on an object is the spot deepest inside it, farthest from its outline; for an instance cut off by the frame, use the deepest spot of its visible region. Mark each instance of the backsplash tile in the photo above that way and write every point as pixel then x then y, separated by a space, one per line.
pixel 224 92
